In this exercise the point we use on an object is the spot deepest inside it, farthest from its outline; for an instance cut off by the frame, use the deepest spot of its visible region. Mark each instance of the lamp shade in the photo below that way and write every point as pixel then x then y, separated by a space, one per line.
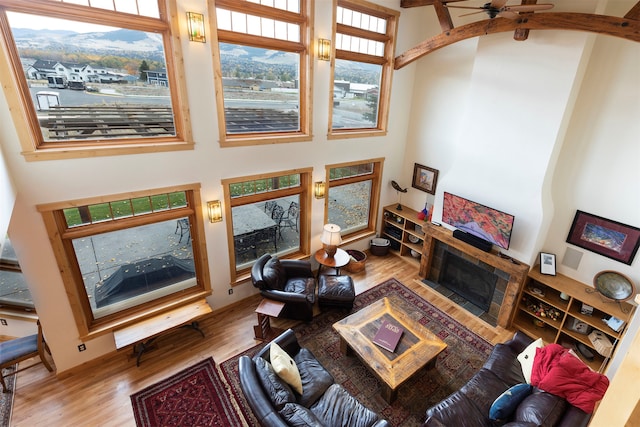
pixel 331 235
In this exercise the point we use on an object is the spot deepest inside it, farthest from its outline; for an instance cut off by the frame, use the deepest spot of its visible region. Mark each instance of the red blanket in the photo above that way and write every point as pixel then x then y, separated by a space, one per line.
pixel 558 372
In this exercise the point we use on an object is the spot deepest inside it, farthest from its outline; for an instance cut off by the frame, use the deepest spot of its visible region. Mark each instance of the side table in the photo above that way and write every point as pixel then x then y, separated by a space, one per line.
pixel 266 309
pixel 339 260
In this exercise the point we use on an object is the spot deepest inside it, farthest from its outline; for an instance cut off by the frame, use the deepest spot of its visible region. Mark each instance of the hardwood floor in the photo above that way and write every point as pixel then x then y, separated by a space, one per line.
pixel 99 395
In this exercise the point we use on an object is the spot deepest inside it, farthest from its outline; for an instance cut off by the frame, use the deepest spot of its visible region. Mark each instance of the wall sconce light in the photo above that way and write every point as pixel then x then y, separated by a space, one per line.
pixel 331 238
pixel 324 49
pixel 215 210
pixel 318 190
pixel 195 23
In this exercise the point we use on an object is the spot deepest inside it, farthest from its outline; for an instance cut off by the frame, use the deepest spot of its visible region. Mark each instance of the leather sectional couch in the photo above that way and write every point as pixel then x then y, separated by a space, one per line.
pixel 470 405
pixel 322 402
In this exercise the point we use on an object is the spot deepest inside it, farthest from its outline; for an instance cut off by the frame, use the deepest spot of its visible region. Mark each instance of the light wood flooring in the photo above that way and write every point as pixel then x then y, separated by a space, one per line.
pixel 99 394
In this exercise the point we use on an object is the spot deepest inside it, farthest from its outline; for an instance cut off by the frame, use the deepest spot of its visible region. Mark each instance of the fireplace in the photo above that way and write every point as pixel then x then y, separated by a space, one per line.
pixel 470 281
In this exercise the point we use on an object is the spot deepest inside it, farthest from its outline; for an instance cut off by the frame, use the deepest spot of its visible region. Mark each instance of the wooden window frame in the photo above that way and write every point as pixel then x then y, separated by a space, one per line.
pixel 24 115
pixel 387 63
pixel 303 48
pixel 61 239
pixel 304 191
pixel 374 201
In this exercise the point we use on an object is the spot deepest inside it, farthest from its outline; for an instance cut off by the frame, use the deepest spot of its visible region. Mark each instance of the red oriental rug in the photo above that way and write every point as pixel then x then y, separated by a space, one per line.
pixel 465 354
pixel 195 396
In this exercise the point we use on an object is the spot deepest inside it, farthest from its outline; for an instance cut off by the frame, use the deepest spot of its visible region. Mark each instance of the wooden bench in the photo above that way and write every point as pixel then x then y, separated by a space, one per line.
pixel 143 333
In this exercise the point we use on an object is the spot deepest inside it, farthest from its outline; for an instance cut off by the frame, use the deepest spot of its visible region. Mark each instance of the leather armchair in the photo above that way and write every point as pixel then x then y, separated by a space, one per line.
pixel 288 281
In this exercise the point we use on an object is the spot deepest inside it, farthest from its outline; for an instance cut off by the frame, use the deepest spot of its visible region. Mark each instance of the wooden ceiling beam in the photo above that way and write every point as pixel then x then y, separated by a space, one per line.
pixel 601 24
pixel 446 23
pixel 521 34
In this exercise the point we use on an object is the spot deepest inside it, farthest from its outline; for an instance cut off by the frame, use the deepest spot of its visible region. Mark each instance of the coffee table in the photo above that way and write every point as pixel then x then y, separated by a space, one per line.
pixel 418 347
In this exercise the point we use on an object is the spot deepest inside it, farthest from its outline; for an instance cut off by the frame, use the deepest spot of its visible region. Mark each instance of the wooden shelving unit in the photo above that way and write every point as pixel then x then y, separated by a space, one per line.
pixel 404 230
pixel 561 330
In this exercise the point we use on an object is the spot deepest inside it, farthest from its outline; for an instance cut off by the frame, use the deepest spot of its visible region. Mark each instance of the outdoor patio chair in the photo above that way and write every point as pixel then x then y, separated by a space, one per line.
pixel 183 225
pixel 19 349
pixel 290 219
pixel 269 205
pixel 276 216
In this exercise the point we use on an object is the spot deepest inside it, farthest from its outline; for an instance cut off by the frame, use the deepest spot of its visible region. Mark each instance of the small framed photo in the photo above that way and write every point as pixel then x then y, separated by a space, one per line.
pixel 425 178
pixel 547 263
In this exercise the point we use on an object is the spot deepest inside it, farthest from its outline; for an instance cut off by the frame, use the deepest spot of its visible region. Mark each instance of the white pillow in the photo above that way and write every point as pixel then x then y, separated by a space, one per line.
pixel 285 367
pixel 526 358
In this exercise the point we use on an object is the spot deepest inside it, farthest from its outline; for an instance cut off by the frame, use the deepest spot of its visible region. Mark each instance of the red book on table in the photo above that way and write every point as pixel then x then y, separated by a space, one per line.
pixel 388 336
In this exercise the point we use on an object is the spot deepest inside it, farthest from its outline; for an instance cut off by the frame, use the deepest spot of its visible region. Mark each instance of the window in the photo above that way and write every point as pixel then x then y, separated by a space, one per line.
pixel 268 214
pixel 94 74
pixel 263 60
pixel 364 48
pixel 122 256
pixel 14 293
pixel 353 197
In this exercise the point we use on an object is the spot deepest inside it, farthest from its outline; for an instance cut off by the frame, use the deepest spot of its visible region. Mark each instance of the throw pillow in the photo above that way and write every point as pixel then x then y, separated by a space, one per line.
pixel 278 391
pixel 526 358
pixel 285 367
pixel 507 402
pixel 274 274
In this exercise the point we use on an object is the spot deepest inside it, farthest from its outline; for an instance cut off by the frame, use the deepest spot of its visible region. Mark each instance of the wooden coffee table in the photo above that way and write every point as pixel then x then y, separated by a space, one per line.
pixel 418 348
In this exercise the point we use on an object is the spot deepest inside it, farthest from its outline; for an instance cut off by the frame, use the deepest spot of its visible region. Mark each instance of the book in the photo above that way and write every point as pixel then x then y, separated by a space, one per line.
pixel 388 336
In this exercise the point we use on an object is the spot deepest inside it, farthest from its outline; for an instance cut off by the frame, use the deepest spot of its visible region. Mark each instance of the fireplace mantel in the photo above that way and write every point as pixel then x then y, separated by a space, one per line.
pixel 517 270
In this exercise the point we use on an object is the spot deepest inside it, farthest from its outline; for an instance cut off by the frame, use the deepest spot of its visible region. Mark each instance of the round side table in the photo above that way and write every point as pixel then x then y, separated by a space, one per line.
pixel 339 260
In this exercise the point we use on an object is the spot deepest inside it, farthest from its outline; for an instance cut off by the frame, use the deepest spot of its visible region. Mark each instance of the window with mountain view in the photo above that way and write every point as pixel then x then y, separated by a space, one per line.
pixel 95 73
pixel 263 92
pixel 364 48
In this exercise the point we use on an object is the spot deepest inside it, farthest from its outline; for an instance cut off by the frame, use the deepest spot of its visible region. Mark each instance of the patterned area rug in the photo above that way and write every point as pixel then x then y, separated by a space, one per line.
pixel 193 397
pixel 465 354
pixel 6 399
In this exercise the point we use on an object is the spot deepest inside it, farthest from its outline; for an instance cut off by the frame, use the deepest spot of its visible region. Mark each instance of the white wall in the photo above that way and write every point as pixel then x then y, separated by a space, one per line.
pixel 51 181
pixel 538 129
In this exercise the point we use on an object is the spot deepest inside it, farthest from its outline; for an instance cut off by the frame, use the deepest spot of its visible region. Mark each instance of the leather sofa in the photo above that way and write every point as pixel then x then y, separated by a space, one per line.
pixel 470 405
pixel 288 281
pixel 323 402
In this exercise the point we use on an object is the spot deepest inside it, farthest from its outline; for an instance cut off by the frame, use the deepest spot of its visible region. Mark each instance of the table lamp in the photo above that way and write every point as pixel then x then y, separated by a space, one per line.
pixel 331 239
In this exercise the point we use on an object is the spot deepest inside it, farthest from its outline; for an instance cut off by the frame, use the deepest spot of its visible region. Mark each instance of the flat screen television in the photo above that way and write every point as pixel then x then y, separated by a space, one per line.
pixel 479 220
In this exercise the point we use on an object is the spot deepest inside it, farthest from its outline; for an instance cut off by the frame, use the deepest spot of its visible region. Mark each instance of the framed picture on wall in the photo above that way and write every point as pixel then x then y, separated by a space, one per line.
pixel 547 263
pixel 605 237
pixel 425 178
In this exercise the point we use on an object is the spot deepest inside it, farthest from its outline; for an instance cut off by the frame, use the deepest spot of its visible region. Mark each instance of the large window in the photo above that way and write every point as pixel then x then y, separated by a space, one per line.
pixel 125 256
pixel 94 74
pixel 364 48
pixel 267 214
pixel 263 61
pixel 14 292
pixel 353 196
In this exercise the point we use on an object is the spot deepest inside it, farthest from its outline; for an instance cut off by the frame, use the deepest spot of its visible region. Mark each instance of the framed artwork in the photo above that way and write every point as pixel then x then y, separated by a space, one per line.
pixel 547 263
pixel 425 178
pixel 605 237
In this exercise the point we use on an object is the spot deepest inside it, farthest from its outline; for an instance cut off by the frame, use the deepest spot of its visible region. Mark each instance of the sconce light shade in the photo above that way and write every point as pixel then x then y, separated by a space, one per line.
pixel 324 49
pixel 215 210
pixel 331 238
pixel 318 190
pixel 195 23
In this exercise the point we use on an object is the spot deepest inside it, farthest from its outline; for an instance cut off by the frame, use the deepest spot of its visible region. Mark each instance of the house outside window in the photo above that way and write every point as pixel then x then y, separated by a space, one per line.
pixel 364 41
pixel 353 197
pixel 267 214
pixel 106 49
pixel 129 255
pixel 263 61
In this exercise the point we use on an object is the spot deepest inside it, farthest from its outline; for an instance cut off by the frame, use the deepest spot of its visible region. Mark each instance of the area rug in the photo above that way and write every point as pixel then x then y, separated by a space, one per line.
pixel 6 399
pixel 465 354
pixel 195 396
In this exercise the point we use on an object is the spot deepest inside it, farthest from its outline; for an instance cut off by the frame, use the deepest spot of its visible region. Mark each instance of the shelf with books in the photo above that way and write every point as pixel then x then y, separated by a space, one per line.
pixel 404 230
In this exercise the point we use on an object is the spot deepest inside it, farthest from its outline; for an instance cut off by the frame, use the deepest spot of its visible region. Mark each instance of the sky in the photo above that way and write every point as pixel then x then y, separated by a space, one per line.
pixel 35 22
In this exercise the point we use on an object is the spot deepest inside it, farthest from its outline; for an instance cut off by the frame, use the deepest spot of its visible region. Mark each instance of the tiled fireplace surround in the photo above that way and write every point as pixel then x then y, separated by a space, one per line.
pixel 511 273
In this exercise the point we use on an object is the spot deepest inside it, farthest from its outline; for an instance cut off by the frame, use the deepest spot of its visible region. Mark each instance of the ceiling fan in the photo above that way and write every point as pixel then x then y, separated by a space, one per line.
pixel 500 8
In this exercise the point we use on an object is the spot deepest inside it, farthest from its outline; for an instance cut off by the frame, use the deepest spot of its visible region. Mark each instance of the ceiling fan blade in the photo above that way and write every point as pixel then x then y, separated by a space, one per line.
pixel 498 4
pixel 465 7
pixel 529 7
pixel 472 13
pixel 508 14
